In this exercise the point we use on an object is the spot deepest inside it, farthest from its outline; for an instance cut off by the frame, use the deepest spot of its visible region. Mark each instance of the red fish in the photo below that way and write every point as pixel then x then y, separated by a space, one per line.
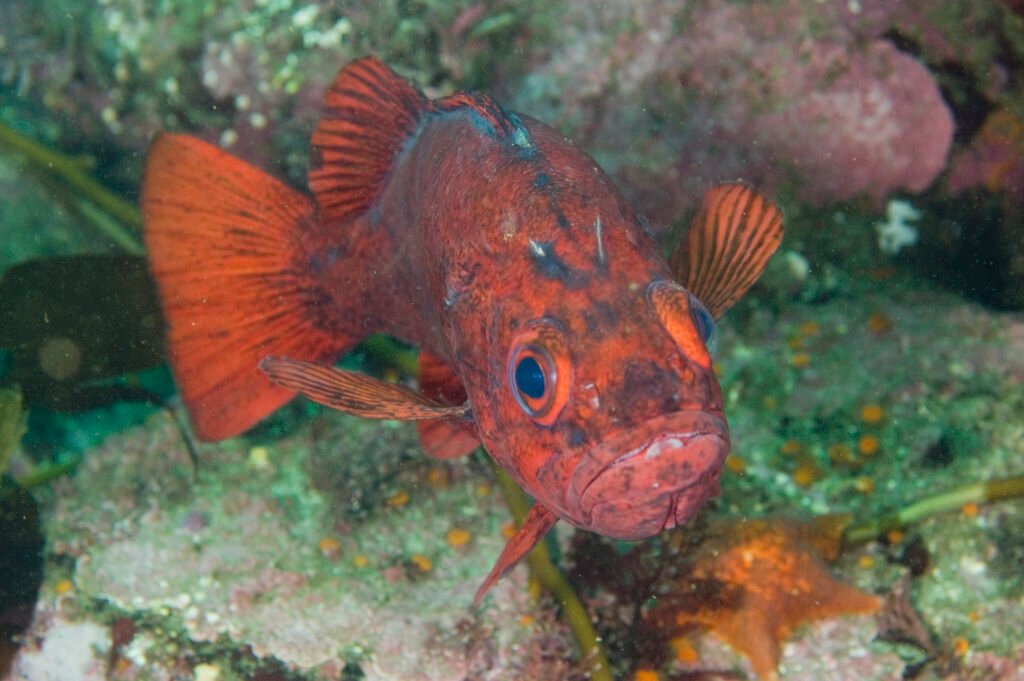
pixel 553 330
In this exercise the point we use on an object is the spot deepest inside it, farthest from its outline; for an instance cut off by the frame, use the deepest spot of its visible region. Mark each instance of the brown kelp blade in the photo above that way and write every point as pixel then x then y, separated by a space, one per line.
pixel 536 524
pixel 355 393
pixel 734 234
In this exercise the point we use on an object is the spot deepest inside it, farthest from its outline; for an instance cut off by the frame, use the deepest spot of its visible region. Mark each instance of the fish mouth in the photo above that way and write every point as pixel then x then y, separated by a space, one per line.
pixel 629 491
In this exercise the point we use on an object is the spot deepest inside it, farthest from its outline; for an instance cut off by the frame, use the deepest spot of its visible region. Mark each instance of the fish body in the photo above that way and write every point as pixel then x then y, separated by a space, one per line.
pixel 553 330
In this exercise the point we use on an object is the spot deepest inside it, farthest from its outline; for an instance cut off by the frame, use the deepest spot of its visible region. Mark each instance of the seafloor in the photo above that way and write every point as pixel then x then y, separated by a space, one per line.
pixel 328 549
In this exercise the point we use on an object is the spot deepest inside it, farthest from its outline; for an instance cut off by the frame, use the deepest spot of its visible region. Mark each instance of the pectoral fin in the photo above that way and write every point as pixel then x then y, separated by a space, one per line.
pixel 536 524
pixel 450 438
pixel 356 393
pixel 734 234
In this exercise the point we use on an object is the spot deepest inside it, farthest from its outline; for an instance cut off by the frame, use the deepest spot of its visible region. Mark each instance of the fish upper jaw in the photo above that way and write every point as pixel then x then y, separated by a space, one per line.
pixel 651 477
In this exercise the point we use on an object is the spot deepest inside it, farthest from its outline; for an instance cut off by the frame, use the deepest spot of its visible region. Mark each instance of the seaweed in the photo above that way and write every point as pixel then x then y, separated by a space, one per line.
pixel 108 213
pixel 73 323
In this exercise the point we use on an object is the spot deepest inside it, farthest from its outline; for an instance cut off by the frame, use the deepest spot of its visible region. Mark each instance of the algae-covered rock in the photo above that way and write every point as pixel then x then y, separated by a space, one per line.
pixel 251 558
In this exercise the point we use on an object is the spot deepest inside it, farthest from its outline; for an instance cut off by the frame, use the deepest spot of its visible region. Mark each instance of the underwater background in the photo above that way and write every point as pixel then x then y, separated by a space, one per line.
pixel 871 523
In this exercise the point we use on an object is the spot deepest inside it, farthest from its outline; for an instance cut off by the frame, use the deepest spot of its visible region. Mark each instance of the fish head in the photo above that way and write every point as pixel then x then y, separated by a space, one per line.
pixel 619 412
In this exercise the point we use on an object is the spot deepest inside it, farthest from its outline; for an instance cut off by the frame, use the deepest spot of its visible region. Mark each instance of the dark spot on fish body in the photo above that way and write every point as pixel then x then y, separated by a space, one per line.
pixel 322 312
pixel 374 217
pixel 600 317
pixel 481 124
pixel 322 261
pixel 576 436
pixel 549 266
pixel 541 180
pixel 648 390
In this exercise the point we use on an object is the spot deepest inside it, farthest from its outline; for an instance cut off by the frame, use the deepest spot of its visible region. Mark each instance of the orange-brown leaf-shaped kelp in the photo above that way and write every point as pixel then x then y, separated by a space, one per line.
pixel 753 582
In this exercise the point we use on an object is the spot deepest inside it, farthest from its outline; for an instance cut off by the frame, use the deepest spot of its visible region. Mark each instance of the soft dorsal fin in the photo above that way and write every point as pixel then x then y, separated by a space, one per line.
pixel 355 393
pixel 734 234
pixel 369 113
pixel 536 524
pixel 444 439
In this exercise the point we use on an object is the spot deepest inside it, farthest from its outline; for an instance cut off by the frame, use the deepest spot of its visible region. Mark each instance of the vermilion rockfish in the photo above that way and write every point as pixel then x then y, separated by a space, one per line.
pixel 553 330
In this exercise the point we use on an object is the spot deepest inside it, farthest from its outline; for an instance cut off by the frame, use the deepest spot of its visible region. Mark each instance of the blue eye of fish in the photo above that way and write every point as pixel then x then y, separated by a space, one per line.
pixel 705 324
pixel 539 371
pixel 530 378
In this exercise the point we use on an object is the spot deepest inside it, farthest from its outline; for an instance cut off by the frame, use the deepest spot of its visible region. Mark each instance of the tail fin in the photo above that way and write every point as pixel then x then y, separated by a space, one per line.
pixel 222 240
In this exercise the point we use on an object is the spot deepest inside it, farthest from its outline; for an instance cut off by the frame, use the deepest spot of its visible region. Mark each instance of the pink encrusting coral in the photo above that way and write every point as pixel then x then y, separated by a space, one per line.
pixel 848 119
pixel 764 92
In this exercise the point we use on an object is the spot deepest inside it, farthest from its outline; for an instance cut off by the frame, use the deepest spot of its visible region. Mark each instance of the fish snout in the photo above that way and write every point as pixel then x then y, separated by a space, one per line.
pixel 651 477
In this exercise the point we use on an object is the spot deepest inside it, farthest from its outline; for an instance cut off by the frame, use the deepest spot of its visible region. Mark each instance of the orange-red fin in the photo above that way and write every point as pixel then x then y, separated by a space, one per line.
pixel 734 234
pixel 369 114
pixel 355 393
pixel 536 524
pixel 444 439
pixel 221 237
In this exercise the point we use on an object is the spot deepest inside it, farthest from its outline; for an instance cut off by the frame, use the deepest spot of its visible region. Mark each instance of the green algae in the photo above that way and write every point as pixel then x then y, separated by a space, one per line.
pixel 112 213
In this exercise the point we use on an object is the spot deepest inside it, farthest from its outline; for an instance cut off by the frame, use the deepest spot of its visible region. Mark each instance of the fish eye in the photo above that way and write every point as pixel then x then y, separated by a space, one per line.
pixel 538 374
pixel 530 378
pixel 705 324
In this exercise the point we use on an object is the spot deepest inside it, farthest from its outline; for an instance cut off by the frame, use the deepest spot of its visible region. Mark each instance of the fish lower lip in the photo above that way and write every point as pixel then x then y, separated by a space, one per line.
pixel 636 497
pixel 623 447
pixel 636 491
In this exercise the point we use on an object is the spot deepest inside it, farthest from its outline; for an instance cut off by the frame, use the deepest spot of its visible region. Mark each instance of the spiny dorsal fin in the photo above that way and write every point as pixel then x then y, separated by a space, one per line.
pixel 734 234
pixel 355 393
pixel 369 113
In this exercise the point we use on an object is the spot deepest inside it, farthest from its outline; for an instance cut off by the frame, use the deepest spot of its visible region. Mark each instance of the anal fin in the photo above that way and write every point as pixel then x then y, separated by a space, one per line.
pixel 536 524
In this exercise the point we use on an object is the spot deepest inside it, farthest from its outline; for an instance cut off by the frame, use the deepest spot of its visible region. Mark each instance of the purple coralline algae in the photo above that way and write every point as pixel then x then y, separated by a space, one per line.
pixel 675 96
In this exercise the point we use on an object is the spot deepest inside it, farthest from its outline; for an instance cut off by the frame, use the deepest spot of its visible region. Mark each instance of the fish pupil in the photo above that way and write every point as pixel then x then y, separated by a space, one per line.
pixel 530 378
pixel 704 322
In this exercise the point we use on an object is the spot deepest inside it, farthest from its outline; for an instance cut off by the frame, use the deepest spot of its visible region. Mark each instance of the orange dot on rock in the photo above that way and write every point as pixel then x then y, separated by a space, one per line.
pixel 791 447
pixel 735 464
pixel 330 548
pixel 458 536
pixel 871 414
pixel 867 445
pixel 398 499
pixel 805 475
